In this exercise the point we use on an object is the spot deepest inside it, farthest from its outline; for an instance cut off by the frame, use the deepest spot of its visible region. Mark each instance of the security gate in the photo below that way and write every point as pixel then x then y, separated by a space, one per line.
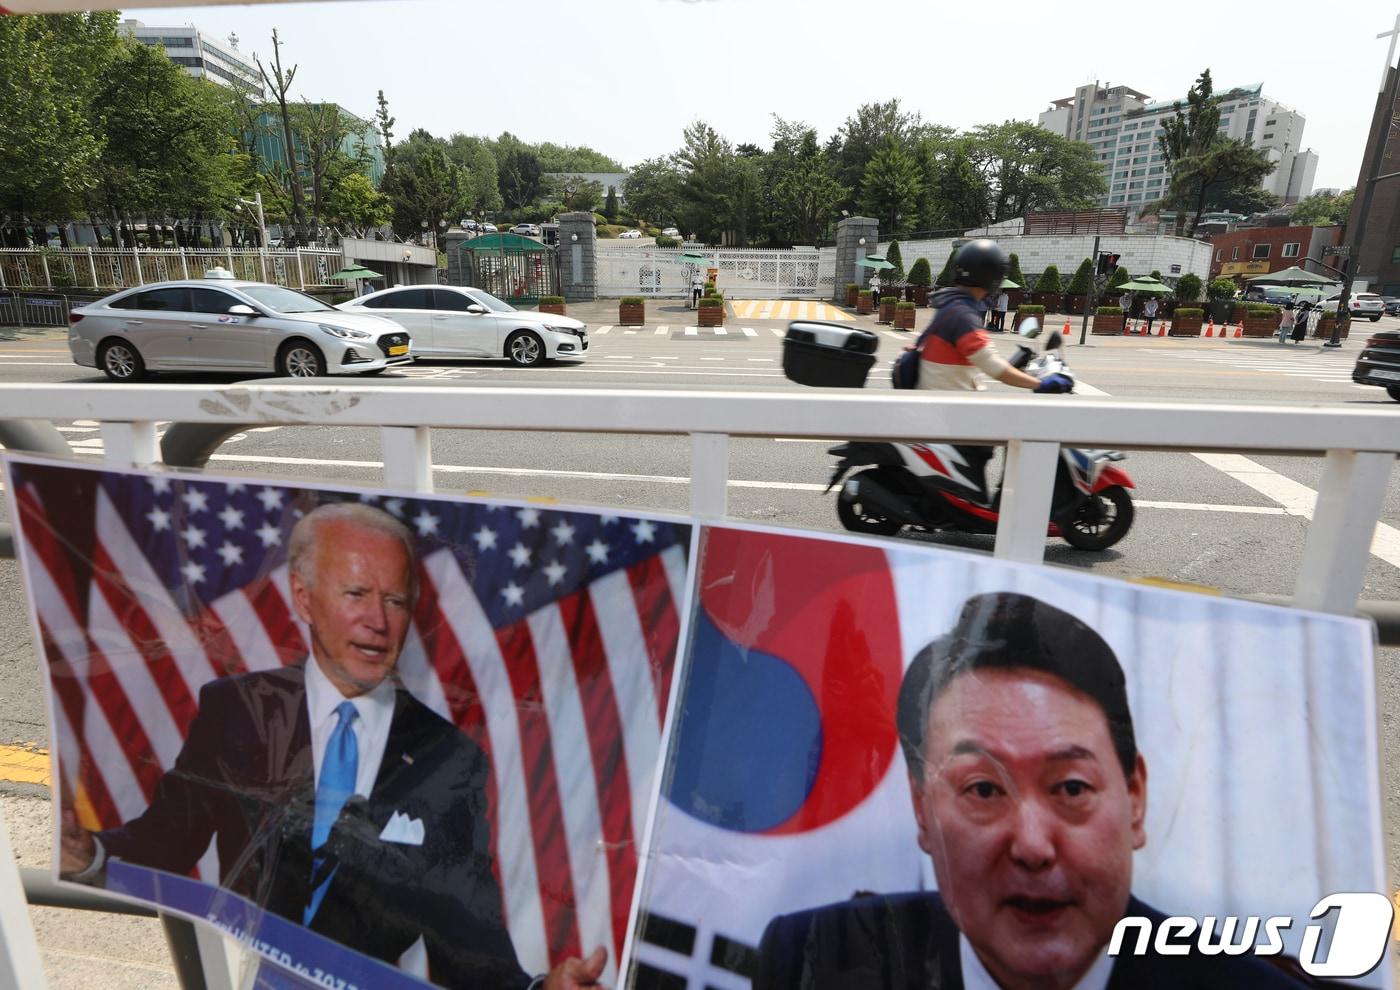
pixel 743 274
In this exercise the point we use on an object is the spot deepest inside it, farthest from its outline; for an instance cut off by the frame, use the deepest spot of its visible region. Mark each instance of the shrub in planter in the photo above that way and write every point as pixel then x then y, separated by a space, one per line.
pixel 1108 320
pixel 711 310
pixel 1047 289
pixel 852 291
pixel 1120 276
pixel 865 302
pixel 552 304
pixel 1026 312
pixel 887 305
pixel 1077 295
pixel 920 277
pixel 1013 272
pixel 662 241
pixel 631 311
pixel 1221 294
pixel 711 289
pixel 1187 322
pixel 945 277
pixel 904 316
pixel 1261 320
pixel 1188 288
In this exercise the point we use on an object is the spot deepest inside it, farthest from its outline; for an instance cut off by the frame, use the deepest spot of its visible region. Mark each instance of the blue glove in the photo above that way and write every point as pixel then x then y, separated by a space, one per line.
pixel 1056 383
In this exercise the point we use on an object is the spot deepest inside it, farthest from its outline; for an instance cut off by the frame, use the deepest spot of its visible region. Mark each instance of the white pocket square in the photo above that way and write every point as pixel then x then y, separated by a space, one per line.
pixel 403 829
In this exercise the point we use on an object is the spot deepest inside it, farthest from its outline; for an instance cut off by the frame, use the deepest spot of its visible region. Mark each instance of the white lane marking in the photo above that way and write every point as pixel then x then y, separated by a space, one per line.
pixel 1258 510
pixel 691 331
pixel 767 360
pixel 1085 388
pixel 712 359
pixel 605 328
pixel 776 332
pixel 660 331
pixel 750 332
pixel 39 364
pixel 721 332
pixel 629 333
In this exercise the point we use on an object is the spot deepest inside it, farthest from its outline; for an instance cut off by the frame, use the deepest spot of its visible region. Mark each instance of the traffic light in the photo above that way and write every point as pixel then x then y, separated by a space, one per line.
pixel 1108 263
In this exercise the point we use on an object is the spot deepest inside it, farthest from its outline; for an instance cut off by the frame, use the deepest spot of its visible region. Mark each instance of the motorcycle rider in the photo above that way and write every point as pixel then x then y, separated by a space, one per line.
pixel 956 351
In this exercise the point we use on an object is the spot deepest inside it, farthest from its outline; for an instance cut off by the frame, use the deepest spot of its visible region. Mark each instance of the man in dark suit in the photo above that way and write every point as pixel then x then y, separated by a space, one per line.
pixel 334 797
pixel 1030 797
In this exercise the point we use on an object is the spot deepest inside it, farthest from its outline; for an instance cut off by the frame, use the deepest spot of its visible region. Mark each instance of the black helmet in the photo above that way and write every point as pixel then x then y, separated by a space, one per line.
pixel 981 263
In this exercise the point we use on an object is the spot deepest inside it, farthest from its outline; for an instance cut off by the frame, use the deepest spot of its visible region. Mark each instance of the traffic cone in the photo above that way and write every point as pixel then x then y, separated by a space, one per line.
pixel 1142 330
pixel 1065 331
pixel 1162 330
pixel 1210 327
pixel 1239 330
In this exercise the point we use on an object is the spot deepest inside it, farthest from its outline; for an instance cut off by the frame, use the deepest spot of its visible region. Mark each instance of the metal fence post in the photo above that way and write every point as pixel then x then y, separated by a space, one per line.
pixel 44 261
pixel 1026 492
pixel 92 267
pixel 1343 524
pixel 130 444
pixel 20 965
pixel 140 278
pixel 184 265
pixel 408 457
pixel 709 474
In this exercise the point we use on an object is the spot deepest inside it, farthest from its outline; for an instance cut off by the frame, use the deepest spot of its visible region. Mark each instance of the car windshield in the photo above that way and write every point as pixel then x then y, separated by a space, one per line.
pixel 490 301
pixel 281 300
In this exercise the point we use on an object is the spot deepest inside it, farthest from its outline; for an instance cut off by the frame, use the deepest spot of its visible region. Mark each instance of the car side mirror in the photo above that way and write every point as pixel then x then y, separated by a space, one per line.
pixel 242 309
pixel 476 309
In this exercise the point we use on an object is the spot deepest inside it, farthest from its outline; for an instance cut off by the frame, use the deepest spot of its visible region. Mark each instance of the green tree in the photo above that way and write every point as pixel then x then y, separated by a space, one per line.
pixel 1014 271
pixel 1049 281
pixel 892 255
pixel 1027 168
pixel 945 277
pixel 802 197
pixel 1188 288
pixel 920 274
pixel 355 206
pixel 1083 279
pixel 705 163
pixel 480 176
pixel 566 158
pixel 424 185
pixel 892 186
pixel 518 171
pixel 1120 276
pixel 1322 209
pixel 610 204
pixel 652 191
pixel 279 81
pixel 862 136
pixel 957 194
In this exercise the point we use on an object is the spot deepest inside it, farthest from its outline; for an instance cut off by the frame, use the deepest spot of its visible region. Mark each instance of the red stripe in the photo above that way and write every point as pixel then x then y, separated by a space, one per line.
pixel 604 724
pixel 145 637
pixel 656 610
pixel 40 535
pixel 277 620
pixel 542 789
pixel 69 694
pixel 224 656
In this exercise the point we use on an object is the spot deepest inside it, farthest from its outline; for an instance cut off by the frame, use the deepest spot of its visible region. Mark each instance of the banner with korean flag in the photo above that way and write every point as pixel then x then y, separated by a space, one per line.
pixel 786 791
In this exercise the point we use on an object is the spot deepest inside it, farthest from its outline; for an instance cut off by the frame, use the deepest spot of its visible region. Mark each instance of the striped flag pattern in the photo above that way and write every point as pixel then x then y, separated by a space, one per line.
pixel 547 636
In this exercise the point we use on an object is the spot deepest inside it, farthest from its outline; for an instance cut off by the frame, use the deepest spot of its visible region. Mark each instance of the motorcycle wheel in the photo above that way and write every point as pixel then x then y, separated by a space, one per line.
pixel 1100 521
pixel 858 519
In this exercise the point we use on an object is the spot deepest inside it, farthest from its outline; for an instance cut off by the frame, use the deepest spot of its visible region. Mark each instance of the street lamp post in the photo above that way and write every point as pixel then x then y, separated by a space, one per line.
pixel 257 202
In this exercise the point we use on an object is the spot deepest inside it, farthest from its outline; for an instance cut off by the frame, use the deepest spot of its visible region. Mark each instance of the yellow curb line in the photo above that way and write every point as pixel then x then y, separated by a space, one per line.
pixel 24 765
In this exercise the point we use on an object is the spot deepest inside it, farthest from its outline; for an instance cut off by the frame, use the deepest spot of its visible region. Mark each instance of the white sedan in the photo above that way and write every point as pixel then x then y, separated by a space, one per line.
pixel 630 234
pixel 448 321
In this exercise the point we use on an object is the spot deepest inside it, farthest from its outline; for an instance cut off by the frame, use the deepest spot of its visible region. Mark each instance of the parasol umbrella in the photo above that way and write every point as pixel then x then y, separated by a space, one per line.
pixel 1006 283
pixel 1291 276
pixel 688 258
pixel 1145 285
pixel 355 272
pixel 874 261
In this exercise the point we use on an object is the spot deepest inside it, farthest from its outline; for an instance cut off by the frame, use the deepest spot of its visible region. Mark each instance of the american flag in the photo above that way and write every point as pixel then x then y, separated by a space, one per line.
pixel 548 636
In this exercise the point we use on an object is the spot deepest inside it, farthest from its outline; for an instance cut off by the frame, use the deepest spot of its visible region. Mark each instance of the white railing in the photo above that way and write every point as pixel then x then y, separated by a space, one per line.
pixel 744 273
pixel 1359 444
pixel 120 268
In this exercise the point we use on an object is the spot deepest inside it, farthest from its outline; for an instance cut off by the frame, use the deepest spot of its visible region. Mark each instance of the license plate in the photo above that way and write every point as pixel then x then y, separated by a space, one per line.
pixel 396 349
pixel 1390 376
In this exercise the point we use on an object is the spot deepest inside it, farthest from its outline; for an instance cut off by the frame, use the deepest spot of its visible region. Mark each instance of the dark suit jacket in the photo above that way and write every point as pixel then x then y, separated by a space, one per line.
pixel 909 942
pixel 245 778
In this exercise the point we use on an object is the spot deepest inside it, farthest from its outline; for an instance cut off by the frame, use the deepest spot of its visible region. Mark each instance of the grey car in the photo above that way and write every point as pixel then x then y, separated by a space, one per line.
pixel 221 324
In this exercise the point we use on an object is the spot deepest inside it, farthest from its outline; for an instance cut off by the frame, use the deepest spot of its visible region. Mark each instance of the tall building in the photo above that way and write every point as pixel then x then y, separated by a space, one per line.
pixel 1122 126
pixel 202 56
pixel 1375 262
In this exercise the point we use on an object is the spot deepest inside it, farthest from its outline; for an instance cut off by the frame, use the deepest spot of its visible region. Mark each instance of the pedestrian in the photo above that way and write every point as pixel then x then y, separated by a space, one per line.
pixel 999 311
pixel 1125 303
pixel 1285 323
pixel 1300 322
pixel 1149 310
pixel 697 286
pixel 875 291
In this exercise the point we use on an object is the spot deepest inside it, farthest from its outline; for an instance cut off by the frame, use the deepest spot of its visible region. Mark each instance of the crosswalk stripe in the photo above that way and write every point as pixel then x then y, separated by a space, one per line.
pixel 775 331
pixel 721 332
pixel 605 328
pixel 750 332
pixel 691 331
pixel 660 331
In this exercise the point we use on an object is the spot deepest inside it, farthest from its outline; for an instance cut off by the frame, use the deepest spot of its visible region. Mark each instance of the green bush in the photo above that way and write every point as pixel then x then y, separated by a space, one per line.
pixel 551 300
pixel 1156 274
pixel 866 292
pixel 895 274
pixel 711 302
pixel 1191 314
pixel 1029 310
pixel 920 274
pixel 632 301
pixel 710 289
pixel 1014 272
pixel 607 231
pixel 945 277
pixel 1261 309
pixel 667 242
pixel 1220 288
pixel 904 305
pixel 1108 311
pixel 1049 281
pixel 1083 279
pixel 1188 288
pixel 1120 276
pixel 599 219
pixel 851 285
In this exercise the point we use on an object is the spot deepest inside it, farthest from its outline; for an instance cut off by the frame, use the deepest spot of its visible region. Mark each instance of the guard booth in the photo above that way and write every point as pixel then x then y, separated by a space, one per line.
pixel 517 269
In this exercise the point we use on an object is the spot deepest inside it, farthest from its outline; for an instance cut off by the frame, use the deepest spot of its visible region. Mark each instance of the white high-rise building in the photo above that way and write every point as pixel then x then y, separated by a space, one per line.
pixel 202 56
pixel 1122 126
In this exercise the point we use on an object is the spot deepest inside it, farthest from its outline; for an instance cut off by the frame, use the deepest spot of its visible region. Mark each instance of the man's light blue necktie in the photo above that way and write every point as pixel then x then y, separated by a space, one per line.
pixel 338 769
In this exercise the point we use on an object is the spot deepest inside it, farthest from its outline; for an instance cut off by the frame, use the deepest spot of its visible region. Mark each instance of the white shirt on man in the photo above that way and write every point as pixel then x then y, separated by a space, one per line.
pixel 1002 300
pixel 371 728
pixel 976 977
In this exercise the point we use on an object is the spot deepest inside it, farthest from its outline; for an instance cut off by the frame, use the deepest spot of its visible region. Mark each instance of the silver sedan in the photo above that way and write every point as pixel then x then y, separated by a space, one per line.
pixel 221 324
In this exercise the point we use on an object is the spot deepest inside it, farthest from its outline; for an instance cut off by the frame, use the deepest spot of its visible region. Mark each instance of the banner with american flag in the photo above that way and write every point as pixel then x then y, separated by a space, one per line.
pixel 548 636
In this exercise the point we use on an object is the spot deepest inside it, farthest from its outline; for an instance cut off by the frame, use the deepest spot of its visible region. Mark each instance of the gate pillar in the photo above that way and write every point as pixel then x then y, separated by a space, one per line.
pixel 578 267
pixel 850 232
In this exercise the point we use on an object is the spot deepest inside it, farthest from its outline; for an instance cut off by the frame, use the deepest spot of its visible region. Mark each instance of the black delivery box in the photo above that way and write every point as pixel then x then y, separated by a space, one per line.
pixel 828 354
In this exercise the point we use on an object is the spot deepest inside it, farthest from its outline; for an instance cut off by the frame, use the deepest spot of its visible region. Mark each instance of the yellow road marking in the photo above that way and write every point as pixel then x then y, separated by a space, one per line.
pixel 24 765
pixel 787 309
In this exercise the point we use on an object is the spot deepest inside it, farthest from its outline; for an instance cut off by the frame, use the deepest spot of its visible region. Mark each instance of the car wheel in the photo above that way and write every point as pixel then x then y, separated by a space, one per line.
pixel 120 361
pixel 524 348
pixel 1393 391
pixel 1376 318
pixel 300 359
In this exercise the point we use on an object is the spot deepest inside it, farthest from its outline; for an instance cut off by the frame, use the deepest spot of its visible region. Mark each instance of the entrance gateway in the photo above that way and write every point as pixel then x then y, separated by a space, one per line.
pixel 743 273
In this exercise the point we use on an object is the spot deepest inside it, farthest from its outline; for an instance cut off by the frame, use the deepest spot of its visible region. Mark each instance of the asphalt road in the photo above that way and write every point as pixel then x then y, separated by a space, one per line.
pixel 1195 522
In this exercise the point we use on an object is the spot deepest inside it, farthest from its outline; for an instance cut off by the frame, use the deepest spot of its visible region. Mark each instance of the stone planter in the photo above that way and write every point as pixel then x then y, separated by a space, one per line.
pixel 1050 300
pixel 1075 304
pixel 556 308
pixel 631 314
pixel 1323 328
pixel 1108 326
pixel 887 309
pixel 852 294
pixel 1260 326
pixel 920 295
pixel 1186 326
pixel 865 303
pixel 904 319
pixel 711 316
pixel 1014 298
